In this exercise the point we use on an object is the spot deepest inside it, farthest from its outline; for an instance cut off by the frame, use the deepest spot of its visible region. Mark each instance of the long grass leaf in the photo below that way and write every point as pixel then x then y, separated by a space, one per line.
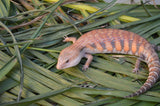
pixel 7 84
pixel 110 18
pixel 27 101
pixel 137 22
pixel 18 55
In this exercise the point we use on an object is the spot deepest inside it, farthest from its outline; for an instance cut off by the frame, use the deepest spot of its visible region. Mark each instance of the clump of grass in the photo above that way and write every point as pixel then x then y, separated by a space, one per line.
pixel 31 38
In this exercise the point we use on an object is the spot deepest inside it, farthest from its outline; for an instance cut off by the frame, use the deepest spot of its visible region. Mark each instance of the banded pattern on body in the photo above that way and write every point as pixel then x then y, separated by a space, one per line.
pixel 124 42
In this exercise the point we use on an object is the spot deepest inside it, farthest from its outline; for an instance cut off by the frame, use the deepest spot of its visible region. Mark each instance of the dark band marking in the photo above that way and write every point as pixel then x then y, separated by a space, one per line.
pixel 137 49
pixel 155 73
pixel 103 45
pixel 154 63
pixel 113 43
pixel 152 57
pixel 149 80
pixel 122 43
pixel 144 88
pixel 152 78
pixel 148 85
pixel 93 45
pixel 140 91
pixel 130 46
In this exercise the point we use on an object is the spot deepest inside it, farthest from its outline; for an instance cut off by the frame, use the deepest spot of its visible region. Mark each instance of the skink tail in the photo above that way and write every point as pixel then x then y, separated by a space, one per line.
pixel 154 73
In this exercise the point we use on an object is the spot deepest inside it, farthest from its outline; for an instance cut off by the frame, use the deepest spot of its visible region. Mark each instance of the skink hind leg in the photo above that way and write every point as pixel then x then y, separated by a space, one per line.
pixel 136 68
pixel 89 60
pixel 137 65
pixel 68 39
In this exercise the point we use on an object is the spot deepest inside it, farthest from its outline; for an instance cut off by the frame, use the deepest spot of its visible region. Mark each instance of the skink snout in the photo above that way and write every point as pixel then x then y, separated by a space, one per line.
pixel 58 67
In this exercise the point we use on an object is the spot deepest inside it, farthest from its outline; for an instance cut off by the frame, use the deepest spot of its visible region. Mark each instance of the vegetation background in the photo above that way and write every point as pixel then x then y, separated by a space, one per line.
pixel 31 36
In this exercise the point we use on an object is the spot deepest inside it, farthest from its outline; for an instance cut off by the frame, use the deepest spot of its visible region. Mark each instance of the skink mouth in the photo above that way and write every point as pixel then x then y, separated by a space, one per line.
pixel 61 67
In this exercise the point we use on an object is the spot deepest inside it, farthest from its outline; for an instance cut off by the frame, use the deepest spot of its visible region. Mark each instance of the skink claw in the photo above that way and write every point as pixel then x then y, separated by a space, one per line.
pixel 135 70
pixel 85 67
pixel 65 38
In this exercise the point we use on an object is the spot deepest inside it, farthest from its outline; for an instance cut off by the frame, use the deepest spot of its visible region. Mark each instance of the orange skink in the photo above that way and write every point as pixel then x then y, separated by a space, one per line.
pixel 112 41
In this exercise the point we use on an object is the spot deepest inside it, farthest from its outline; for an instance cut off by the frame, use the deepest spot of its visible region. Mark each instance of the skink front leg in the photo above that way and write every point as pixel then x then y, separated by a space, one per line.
pixel 68 39
pixel 89 60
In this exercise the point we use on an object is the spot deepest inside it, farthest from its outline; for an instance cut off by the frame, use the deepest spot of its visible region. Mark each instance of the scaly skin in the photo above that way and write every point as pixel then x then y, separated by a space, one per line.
pixel 112 41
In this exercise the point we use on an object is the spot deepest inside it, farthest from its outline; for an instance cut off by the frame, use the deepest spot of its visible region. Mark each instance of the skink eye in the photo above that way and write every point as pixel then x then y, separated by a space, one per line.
pixel 67 61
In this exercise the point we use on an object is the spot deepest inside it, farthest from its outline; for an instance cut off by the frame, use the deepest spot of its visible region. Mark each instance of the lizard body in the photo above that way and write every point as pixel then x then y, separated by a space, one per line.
pixel 112 41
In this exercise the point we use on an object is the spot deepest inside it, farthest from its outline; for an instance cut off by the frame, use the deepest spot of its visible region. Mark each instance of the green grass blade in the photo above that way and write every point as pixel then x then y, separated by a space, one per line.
pixel 18 55
pixel 27 101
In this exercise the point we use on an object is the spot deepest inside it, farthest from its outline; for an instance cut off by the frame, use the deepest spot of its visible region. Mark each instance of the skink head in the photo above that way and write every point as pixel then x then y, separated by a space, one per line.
pixel 69 57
